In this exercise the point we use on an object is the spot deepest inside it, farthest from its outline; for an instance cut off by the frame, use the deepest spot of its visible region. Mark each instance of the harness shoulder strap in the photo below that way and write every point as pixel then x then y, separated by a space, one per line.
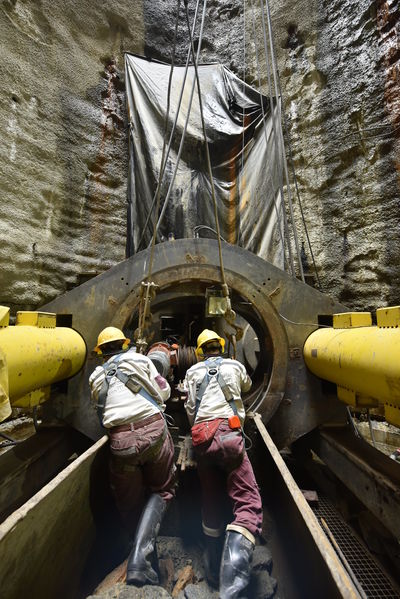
pixel 213 369
pixel 135 387
pixel 226 392
pixel 111 369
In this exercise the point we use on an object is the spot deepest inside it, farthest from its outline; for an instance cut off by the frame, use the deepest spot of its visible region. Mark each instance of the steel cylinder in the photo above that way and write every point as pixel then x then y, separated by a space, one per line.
pixel 159 354
pixel 363 359
pixel 37 356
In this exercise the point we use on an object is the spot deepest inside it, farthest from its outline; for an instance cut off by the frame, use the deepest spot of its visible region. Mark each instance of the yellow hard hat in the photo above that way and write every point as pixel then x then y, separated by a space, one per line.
pixel 110 334
pixel 205 337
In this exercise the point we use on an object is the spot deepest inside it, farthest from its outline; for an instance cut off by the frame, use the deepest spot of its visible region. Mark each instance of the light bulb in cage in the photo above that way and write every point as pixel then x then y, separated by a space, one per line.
pixel 215 302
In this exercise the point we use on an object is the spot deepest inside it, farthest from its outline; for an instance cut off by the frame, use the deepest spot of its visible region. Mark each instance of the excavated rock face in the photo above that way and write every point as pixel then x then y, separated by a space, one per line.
pixel 64 140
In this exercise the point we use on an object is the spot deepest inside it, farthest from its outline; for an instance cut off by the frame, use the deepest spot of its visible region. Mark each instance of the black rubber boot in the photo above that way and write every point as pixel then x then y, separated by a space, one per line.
pixel 142 559
pixel 235 565
pixel 212 559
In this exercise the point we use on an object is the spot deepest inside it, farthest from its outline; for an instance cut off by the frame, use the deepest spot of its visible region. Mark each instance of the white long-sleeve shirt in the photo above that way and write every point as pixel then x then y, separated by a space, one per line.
pixel 213 404
pixel 122 406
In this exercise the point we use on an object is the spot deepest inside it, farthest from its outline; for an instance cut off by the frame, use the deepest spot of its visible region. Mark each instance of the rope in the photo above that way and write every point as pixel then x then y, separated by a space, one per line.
pixel 265 129
pixel 209 168
pixel 285 223
pixel 162 170
pixel 275 77
pixel 164 143
pixel 185 126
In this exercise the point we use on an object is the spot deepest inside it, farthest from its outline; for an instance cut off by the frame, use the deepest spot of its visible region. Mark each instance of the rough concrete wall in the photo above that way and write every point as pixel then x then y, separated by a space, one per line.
pixel 64 150
pixel 337 81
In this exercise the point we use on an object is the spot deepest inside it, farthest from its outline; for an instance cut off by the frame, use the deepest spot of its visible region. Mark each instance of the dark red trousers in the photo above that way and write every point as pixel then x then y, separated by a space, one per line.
pixel 149 468
pixel 224 468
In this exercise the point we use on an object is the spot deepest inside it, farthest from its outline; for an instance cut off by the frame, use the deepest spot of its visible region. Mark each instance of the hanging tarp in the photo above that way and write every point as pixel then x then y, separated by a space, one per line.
pixel 243 154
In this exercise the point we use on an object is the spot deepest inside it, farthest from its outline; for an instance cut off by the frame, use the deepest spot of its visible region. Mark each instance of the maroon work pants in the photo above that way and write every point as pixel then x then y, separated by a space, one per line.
pixel 149 468
pixel 224 467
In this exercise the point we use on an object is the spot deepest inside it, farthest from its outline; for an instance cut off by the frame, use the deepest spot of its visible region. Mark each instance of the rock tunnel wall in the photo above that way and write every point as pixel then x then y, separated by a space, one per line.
pixel 64 132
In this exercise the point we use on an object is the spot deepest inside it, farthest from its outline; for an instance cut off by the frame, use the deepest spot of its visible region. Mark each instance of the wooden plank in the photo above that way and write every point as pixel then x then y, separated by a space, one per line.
pixel 31 464
pixel 341 579
pixel 44 545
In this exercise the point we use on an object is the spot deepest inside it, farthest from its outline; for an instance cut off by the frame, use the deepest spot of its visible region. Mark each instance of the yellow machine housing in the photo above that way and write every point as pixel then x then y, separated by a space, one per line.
pixel 34 354
pixel 363 360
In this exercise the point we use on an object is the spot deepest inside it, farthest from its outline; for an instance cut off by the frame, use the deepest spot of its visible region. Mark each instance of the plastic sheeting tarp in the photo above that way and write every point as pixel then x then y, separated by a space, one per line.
pixel 245 164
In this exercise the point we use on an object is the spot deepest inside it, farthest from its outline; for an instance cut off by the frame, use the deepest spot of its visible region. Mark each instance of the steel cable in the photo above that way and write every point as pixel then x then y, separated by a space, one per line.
pixel 164 142
pixel 295 180
pixel 244 78
pixel 207 149
pixel 164 163
pixel 285 223
pixel 275 77
pixel 185 126
pixel 265 130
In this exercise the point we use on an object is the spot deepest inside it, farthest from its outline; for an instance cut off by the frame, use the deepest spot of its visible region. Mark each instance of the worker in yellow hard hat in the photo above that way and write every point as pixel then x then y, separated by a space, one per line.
pixel 206 338
pixel 130 397
pixel 110 339
pixel 216 413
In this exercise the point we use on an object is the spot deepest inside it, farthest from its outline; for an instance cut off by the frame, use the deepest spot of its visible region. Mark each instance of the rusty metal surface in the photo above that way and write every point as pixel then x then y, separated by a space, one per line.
pixel 372 476
pixel 279 301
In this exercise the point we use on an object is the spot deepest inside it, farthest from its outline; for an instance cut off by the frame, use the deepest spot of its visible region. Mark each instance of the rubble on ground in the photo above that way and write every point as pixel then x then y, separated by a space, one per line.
pixel 182 575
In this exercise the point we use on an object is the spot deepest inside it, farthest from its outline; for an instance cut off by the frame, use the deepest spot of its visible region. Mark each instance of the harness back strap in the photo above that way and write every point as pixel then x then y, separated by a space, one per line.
pixel 211 366
pixel 111 369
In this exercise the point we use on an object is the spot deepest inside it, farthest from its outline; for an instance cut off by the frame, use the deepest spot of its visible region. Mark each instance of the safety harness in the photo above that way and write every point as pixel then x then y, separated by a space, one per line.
pixel 111 369
pixel 213 370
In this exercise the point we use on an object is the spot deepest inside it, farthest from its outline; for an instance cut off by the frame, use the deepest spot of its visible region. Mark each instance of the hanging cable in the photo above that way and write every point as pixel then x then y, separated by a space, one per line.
pixel 281 234
pixel 274 127
pixel 229 314
pixel 300 204
pixel 186 124
pixel 200 227
pixel 164 163
pixel 275 77
pixel 147 290
pixel 164 144
pixel 295 180
pixel 244 82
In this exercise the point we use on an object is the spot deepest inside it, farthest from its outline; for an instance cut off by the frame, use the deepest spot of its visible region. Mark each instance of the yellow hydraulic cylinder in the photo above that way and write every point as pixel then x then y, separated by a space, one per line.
pixel 363 360
pixel 34 354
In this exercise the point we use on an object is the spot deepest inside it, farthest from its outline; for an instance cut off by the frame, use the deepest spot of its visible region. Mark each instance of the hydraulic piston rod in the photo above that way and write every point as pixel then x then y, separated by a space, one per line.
pixel 34 354
pixel 363 360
